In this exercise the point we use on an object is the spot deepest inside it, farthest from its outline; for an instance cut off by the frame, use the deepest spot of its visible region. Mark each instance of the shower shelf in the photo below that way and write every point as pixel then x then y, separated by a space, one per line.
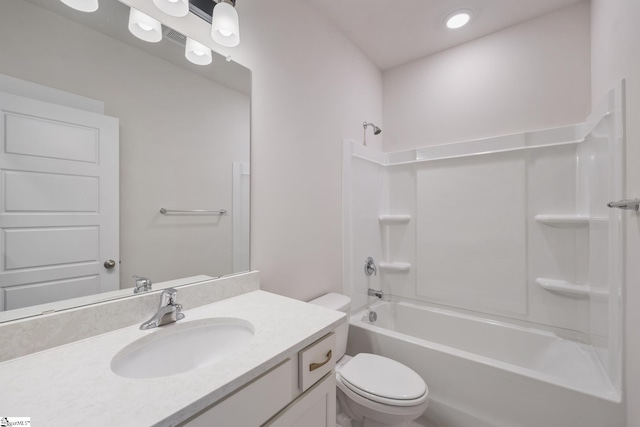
pixel 563 287
pixel 394 219
pixel 399 267
pixel 567 221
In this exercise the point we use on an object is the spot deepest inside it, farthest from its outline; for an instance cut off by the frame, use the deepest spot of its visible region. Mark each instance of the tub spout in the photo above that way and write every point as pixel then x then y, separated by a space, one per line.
pixel 375 293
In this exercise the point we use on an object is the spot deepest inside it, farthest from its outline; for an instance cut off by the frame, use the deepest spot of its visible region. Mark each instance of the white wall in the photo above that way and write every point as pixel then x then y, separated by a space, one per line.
pixel 531 76
pixel 170 133
pixel 616 55
pixel 311 88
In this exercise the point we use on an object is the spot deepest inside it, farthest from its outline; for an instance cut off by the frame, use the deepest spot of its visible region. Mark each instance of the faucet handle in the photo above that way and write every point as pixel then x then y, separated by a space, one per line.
pixel 370 267
pixel 169 297
pixel 143 284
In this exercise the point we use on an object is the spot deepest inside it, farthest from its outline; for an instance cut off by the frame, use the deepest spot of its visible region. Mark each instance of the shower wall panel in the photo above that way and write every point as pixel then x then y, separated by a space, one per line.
pixel 363 189
pixel 399 239
pixel 557 252
pixel 471 232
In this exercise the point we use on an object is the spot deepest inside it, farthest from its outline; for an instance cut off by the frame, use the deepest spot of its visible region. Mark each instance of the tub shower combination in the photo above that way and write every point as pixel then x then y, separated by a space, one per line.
pixel 499 267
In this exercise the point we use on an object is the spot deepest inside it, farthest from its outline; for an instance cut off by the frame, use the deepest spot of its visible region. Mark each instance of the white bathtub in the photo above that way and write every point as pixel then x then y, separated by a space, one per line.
pixel 487 373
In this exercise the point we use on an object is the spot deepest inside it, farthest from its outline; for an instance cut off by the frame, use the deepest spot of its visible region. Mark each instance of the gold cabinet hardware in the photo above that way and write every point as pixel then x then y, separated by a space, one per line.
pixel 314 366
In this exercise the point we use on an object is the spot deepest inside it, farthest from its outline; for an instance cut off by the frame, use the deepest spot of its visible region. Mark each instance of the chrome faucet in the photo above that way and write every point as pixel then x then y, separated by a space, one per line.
pixel 374 293
pixel 142 284
pixel 370 267
pixel 168 312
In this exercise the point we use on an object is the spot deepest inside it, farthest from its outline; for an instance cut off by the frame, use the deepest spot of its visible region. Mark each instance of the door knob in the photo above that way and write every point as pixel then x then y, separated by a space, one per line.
pixel 109 264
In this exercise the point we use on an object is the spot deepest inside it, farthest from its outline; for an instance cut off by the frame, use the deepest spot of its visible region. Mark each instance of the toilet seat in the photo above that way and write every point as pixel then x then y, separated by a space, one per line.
pixel 383 380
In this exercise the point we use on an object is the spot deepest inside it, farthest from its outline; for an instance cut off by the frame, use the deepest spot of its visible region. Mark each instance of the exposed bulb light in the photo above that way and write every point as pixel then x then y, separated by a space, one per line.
pixel 177 8
pixel 197 53
pixel 144 27
pixel 458 19
pixel 225 29
pixel 82 5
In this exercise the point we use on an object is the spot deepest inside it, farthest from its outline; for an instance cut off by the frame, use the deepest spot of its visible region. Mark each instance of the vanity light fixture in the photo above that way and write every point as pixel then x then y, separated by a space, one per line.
pixel 197 53
pixel 82 5
pixel 458 19
pixel 144 27
pixel 177 8
pixel 225 29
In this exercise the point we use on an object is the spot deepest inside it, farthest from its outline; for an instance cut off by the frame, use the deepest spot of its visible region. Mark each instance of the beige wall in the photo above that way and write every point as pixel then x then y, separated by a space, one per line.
pixel 616 55
pixel 534 75
pixel 177 145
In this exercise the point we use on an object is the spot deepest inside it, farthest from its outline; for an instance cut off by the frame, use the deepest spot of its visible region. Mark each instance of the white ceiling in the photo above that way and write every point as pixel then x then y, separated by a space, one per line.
pixel 394 32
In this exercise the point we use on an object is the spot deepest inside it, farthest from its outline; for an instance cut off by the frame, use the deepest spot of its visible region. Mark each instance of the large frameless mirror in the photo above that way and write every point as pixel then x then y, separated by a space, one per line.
pixel 100 132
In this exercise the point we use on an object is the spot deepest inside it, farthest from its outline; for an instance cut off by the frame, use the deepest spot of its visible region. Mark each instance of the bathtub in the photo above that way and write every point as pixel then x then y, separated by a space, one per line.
pixel 484 373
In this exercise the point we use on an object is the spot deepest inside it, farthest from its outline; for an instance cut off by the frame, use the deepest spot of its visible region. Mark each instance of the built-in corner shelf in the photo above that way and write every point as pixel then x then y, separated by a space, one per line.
pixel 563 287
pixel 396 267
pixel 394 219
pixel 566 221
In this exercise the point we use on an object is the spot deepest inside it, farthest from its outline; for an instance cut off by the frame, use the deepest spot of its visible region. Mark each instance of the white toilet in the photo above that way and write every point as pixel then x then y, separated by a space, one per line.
pixel 373 391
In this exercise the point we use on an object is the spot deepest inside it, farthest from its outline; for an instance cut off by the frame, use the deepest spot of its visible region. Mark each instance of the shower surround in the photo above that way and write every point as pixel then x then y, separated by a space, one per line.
pixel 511 231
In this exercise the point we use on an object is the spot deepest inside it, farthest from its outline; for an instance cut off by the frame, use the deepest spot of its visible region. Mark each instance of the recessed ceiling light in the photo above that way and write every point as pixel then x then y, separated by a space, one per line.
pixel 458 19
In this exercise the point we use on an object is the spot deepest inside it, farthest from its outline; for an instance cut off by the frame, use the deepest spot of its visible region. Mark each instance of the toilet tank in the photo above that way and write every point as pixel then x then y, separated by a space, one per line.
pixel 341 303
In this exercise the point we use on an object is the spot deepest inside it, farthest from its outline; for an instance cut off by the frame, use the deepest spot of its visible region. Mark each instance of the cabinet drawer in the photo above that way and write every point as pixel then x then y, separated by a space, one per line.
pixel 316 360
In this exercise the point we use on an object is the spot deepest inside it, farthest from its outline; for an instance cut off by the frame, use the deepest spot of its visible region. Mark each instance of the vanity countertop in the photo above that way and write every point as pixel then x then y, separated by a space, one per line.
pixel 73 384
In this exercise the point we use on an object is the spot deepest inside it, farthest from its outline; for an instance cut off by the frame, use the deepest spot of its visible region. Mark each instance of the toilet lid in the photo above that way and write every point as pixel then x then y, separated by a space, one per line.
pixel 380 376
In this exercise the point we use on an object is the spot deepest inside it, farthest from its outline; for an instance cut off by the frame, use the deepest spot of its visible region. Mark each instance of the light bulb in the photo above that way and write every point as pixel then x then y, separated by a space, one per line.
pixel 144 27
pixel 82 5
pixel 177 8
pixel 197 53
pixel 225 29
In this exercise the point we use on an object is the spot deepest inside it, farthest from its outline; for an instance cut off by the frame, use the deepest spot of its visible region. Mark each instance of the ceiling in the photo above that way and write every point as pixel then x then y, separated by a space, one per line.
pixel 392 33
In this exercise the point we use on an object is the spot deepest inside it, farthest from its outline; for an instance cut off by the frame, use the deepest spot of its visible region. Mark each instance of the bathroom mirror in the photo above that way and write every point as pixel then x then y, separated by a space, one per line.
pixel 83 87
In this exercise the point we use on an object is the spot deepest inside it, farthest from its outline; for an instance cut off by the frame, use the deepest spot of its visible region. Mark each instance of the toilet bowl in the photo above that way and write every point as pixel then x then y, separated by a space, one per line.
pixel 372 390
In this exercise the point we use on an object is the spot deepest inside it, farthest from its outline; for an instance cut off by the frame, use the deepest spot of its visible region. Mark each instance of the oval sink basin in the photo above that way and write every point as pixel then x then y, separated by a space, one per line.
pixel 181 347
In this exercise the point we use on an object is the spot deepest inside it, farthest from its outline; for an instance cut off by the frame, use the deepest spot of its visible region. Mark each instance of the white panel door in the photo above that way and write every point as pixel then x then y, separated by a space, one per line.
pixel 58 202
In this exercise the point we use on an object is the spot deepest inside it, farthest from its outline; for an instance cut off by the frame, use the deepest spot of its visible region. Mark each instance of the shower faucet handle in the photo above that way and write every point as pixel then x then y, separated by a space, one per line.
pixel 370 267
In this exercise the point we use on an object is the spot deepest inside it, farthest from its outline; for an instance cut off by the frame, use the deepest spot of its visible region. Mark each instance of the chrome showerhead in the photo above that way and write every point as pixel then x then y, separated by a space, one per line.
pixel 376 129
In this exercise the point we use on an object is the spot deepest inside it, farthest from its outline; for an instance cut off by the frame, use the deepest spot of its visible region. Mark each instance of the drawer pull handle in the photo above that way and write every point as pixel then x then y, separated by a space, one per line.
pixel 314 366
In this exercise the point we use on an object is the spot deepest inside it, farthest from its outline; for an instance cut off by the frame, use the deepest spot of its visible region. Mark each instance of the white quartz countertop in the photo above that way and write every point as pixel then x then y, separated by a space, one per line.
pixel 73 384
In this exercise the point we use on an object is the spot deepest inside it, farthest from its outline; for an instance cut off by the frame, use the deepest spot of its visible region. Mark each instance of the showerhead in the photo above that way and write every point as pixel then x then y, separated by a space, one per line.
pixel 376 129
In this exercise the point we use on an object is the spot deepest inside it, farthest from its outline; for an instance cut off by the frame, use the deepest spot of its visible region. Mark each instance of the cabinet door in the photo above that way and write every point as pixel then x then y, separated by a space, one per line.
pixel 314 408
pixel 253 404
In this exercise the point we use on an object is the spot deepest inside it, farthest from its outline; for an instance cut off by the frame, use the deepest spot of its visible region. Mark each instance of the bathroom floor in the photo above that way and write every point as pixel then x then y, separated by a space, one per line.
pixel 424 422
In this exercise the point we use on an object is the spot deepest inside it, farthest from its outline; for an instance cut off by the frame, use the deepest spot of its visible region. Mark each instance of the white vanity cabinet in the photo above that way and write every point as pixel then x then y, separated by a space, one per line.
pixel 298 392
pixel 314 408
pixel 284 376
